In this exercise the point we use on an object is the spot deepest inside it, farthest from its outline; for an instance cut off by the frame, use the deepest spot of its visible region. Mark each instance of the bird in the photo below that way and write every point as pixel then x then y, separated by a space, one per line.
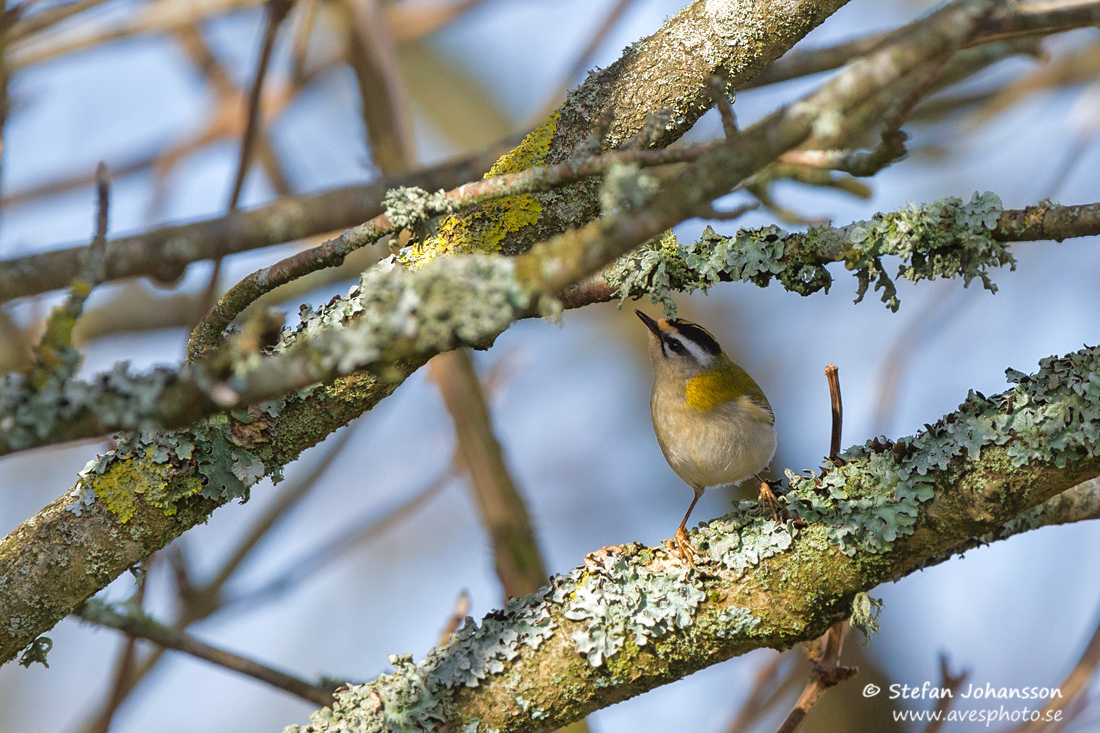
pixel 713 422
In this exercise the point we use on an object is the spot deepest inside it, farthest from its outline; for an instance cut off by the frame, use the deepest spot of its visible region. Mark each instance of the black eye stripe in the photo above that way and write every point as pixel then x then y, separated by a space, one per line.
pixel 698 335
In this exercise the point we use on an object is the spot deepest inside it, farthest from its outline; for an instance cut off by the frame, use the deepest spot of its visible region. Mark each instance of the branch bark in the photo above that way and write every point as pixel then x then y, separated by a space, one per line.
pixel 625 623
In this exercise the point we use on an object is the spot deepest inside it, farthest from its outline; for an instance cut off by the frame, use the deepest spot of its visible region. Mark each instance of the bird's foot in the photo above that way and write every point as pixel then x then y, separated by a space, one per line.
pixel 681 547
pixel 770 502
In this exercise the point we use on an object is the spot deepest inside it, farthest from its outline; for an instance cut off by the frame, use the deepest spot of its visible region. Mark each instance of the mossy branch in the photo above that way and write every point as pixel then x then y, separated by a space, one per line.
pixel 399 314
pixel 634 618
pixel 948 238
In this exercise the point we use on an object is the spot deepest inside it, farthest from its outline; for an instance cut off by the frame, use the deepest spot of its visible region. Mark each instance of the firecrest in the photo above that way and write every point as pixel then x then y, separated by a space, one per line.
pixel 713 422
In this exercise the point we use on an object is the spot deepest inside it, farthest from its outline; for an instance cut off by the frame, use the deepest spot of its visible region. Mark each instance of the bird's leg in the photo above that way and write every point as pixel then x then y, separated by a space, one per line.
pixel 684 548
pixel 768 499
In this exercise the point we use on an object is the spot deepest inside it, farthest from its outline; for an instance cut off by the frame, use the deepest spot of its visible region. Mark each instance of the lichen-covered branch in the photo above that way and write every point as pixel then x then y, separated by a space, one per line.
pixel 948 238
pixel 400 314
pixel 132 501
pixel 669 72
pixel 412 209
pixel 1022 19
pixel 631 620
pixel 165 252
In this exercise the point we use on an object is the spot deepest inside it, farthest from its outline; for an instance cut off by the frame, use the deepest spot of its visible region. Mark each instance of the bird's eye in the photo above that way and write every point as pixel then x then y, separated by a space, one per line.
pixel 676 346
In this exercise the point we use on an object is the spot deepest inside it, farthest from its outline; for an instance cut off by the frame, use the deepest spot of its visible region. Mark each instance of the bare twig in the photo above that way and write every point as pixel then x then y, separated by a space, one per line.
pixel 199 603
pixel 163 253
pixel 144 627
pixel 461 611
pixel 383 104
pixel 832 373
pixel 1029 19
pixel 503 511
pixel 124 667
pixel 766 690
pixel 826 673
pixel 584 58
pixel 825 655
pixel 943 704
pixel 360 531
pixel 276 11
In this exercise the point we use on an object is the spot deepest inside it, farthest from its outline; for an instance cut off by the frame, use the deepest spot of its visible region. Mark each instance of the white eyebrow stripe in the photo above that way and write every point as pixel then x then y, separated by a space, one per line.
pixel 697 352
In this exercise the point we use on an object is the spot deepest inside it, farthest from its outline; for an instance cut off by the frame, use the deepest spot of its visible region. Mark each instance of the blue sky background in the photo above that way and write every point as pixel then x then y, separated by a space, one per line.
pixel 573 412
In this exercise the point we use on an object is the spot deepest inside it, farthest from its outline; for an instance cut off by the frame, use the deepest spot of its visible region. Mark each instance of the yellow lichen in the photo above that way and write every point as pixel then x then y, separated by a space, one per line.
pixel 484 228
pixel 119 486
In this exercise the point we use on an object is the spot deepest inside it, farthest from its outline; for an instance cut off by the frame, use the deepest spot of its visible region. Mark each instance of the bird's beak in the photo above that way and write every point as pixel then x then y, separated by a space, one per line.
pixel 649 323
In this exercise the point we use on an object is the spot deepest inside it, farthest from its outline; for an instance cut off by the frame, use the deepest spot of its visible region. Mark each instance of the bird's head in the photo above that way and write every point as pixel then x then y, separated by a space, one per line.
pixel 681 348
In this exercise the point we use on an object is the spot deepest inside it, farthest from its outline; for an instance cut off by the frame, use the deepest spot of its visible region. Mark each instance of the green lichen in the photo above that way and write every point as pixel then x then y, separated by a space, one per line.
pixel 617 600
pixel 865 612
pixel 126 479
pixel 655 269
pixel 944 239
pixel 874 497
pixel 735 622
pixel 626 187
pixel 620 601
pixel 483 228
pixel 409 207
pixel 155 468
pixel 417 696
pixel 393 311
pixel 741 540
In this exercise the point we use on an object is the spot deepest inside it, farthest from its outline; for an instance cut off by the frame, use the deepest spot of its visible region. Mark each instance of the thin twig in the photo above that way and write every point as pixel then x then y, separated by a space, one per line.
pixel 584 58
pixel 276 13
pixel 124 667
pixel 359 532
pixel 517 559
pixel 766 689
pixel 199 603
pixel 826 673
pixel 332 252
pixel 832 373
pixel 144 627
pixel 949 682
pixel 372 55
pixel 461 611
pixel 163 253
pixel 1029 19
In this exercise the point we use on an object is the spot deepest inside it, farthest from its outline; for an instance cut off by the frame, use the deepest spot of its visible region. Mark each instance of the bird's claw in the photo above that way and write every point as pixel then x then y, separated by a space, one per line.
pixel 681 547
pixel 769 501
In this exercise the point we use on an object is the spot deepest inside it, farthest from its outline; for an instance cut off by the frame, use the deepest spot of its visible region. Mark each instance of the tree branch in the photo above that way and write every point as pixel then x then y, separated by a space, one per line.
pixel 623 624
pixel 947 238
pixel 165 252
pixel 144 627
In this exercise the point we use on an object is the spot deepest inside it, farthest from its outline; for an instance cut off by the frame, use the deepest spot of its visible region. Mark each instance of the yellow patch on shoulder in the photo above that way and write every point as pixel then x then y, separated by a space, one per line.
pixel 711 389
pixel 722 384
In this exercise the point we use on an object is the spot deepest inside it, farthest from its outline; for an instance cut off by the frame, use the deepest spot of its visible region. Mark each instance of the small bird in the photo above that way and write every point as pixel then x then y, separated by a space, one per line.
pixel 713 422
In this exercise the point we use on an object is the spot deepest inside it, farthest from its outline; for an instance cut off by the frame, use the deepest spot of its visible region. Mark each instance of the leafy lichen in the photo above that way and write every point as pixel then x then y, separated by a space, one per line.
pixel 483 228
pixel 156 468
pixel 394 311
pixel 618 600
pixel 875 495
pixel 945 239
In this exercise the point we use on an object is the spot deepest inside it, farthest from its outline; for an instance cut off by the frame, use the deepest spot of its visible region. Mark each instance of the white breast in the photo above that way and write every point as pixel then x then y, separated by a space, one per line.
pixel 725 445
